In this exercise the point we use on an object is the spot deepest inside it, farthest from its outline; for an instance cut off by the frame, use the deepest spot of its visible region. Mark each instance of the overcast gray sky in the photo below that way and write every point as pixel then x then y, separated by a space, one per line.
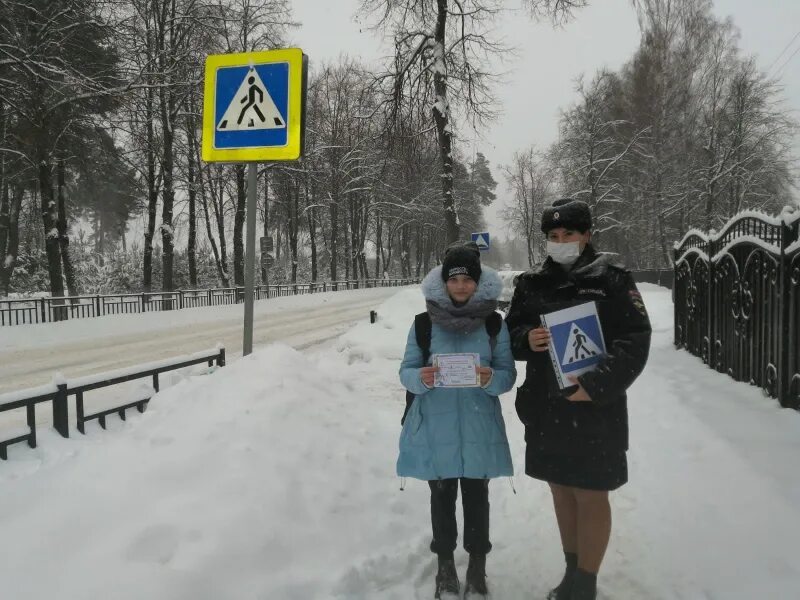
pixel 541 79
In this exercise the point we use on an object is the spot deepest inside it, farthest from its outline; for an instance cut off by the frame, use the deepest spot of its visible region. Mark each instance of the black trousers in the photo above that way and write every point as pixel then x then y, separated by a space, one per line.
pixel 475 500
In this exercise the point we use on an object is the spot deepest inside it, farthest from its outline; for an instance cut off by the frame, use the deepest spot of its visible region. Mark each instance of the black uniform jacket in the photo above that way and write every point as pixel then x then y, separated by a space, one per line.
pixel 553 424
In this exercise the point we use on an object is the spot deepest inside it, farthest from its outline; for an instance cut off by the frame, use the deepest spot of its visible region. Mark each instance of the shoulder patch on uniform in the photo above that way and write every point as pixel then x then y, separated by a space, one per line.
pixel 636 299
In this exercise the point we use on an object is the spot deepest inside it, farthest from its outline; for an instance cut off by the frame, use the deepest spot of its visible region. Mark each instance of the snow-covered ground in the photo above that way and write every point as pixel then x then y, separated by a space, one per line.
pixel 274 478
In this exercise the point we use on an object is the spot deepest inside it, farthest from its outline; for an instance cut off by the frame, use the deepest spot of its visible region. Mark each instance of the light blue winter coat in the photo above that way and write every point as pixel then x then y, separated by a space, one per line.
pixel 457 432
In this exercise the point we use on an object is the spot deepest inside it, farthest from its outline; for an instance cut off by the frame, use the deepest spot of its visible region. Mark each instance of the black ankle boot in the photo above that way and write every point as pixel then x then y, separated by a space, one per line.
pixel 447 578
pixel 563 590
pixel 584 585
pixel 475 586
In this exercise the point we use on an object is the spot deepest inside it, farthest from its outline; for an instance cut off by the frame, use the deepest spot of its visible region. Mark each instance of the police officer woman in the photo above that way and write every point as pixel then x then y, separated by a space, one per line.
pixel 577 438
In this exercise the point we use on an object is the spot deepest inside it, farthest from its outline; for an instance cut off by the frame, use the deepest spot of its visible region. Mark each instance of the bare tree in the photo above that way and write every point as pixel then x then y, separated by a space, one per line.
pixel 338 147
pixel 442 49
pixel 686 134
pixel 594 143
pixel 559 11
pixel 761 134
pixel 10 207
pixel 532 179
pixel 138 39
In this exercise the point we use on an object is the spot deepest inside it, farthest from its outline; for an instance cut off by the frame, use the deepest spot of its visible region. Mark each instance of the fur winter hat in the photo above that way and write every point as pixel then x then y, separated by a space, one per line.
pixel 462 258
pixel 569 213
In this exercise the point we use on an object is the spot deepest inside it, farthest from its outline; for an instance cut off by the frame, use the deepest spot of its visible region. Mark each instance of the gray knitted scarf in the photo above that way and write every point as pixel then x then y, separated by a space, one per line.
pixel 461 319
pixel 472 314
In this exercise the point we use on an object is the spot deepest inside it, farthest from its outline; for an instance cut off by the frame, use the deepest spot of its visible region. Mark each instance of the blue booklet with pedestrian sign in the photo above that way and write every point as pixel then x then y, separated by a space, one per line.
pixel 576 341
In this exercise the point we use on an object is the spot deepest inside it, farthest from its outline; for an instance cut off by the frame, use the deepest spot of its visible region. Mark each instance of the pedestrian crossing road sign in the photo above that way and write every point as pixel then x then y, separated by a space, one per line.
pixel 253 106
pixel 579 346
pixel 576 338
pixel 481 239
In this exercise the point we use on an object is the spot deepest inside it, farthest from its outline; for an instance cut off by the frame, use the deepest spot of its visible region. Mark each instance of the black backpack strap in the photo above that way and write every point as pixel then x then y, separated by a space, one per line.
pixel 422 333
pixel 494 323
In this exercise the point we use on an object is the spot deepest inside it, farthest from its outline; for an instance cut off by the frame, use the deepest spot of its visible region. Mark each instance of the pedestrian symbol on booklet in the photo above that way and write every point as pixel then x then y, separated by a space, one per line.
pixel 251 107
pixel 579 346
pixel 576 341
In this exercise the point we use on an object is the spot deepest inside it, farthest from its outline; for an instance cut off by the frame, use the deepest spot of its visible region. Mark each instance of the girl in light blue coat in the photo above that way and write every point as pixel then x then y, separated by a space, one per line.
pixel 457 435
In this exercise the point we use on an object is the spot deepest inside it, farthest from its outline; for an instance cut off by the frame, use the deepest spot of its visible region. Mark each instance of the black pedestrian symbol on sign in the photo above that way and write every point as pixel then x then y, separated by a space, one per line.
pixel 251 101
pixel 579 346
pixel 581 351
pixel 251 107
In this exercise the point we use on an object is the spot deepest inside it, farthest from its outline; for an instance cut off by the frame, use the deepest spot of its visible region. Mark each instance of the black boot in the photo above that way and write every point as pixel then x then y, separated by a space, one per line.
pixel 563 590
pixel 447 578
pixel 476 577
pixel 584 585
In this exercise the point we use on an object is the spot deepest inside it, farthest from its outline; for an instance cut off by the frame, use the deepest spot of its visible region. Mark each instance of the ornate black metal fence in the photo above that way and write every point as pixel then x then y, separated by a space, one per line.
pixel 45 310
pixel 737 301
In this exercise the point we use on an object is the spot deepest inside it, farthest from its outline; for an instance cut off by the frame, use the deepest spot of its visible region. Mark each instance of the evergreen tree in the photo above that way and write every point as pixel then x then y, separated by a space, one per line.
pixel 60 71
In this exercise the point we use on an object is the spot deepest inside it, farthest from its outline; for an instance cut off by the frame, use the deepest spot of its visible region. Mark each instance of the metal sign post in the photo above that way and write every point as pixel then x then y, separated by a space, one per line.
pixel 254 112
pixel 250 259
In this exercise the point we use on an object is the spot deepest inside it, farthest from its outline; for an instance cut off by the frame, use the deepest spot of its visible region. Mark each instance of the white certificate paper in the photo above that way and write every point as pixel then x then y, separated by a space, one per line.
pixel 456 370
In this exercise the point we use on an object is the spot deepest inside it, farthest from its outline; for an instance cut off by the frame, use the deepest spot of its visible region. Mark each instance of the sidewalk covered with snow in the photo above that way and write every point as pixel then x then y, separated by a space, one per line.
pixel 274 478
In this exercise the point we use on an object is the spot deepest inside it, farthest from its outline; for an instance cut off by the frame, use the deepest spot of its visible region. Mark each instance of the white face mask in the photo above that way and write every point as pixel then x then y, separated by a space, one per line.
pixel 564 253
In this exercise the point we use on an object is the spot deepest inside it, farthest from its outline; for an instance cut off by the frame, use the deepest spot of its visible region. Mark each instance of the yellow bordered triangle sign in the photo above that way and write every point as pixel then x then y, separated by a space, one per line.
pixel 254 106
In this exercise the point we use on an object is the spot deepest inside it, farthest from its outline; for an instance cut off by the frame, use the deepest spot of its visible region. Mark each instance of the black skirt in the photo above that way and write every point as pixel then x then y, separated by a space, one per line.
pixel 604 471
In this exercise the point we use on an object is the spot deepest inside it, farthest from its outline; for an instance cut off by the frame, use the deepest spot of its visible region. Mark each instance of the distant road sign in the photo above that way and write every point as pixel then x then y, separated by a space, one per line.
pixel 253 106
pixel 482 239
